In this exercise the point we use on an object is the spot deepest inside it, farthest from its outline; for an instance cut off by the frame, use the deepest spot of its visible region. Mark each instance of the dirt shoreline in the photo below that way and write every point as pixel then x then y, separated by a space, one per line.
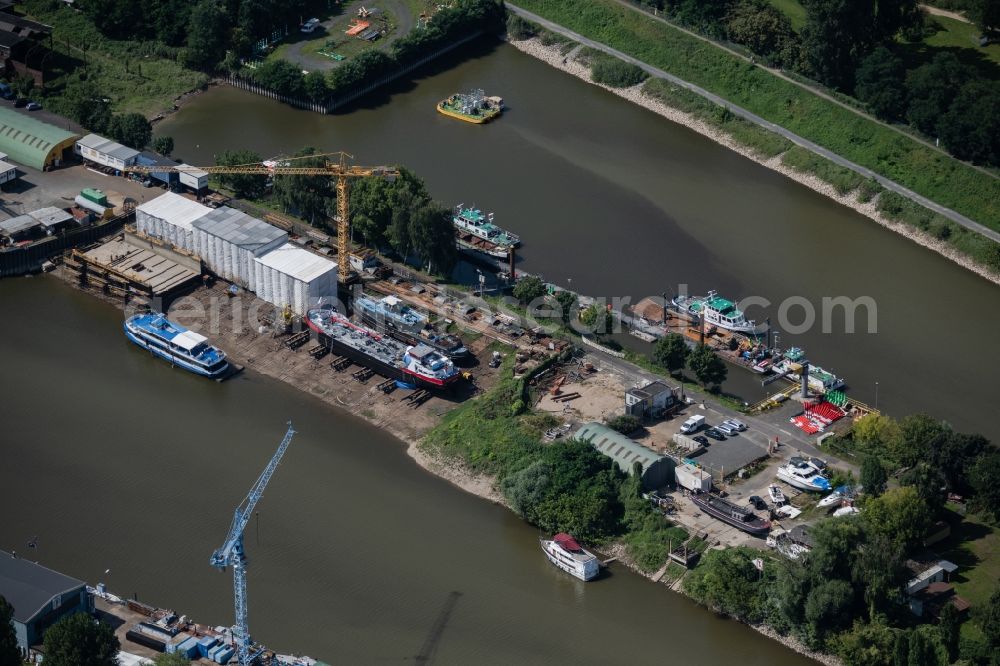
pixel 553 56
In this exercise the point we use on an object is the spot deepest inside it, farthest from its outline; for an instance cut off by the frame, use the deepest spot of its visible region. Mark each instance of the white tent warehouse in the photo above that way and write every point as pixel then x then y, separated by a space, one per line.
pixel 170 217
pixel 228 240
pixel 292 276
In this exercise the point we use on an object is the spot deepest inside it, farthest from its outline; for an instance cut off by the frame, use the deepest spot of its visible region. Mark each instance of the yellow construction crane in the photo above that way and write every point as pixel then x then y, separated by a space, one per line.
pixel 338 169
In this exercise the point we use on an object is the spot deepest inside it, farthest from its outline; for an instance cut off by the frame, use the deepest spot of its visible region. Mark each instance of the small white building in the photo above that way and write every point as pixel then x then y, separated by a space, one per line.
pixel 53 219
pixel 290 275
pixel 8 172
pixel 651 400
pixel 193 177
pixel 106 152
pixel 228 241
pixel 693 478
pixel 170 217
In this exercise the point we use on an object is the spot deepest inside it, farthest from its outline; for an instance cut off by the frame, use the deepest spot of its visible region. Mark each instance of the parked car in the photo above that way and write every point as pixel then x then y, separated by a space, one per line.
pixel 701 439
pixel 739 425
pixel 310 25
pixel 726 428
pixel 758 503
pixel 20 102
pixel 33 106
pixel 715 434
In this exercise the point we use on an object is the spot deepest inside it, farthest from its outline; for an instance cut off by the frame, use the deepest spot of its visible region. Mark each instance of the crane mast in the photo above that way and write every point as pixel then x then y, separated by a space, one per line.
pixel 232 553
pixel 339 170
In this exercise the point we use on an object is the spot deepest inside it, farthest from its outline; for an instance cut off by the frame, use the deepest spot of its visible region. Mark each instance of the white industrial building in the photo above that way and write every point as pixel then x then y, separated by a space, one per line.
pixel 170 217
pixel 295 277
pixel 228 241
pixel 106 152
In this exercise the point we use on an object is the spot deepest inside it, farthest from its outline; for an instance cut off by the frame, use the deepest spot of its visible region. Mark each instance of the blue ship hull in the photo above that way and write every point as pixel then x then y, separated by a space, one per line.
pixel 177 360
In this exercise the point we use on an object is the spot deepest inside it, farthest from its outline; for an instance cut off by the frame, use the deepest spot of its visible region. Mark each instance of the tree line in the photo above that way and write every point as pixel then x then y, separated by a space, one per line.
pixel 448 25
pixel 855 48
pixel 394 215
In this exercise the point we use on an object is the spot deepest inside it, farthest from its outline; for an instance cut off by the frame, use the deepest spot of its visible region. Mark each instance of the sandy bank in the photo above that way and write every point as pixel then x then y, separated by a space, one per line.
pixel 553 56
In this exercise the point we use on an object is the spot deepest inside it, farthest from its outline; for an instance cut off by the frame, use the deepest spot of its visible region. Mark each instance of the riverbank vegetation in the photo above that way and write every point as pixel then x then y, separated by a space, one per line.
pixel 895 155
pixel 846 595
pixel 561 486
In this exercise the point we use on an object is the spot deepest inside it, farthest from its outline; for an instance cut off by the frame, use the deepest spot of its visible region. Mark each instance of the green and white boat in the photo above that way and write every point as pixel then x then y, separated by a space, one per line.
pixel 715 310
pixel 474 230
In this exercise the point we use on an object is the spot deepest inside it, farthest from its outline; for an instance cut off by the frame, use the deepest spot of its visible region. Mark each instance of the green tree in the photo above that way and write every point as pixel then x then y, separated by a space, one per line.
pixel 866 644
pixel 433 238
pixel 206 36
pixel 707 16
pixel 929 483
pixel 988 617
pixel 10 655
pixel 880 84
pixel 131 129
pixel 970 129
pixel 625 423
pixel 873 476
pixel 526 488
pixel 899 514
pixel 168 19
pixel 308 197
pixel 175 659
pixel 671 352
pixel 596 319
pixel 880 573
pixel 876 432
pixel 567 306
pixel 954 455
pixel 164 145
pixel 114 18
pixel 932 87
pixel 314 84
pixel 243 185
pixel 23 85
pixel 528 289
pixel 949 626
pixel 827 608
pixel 282 77
pixel 371 209
pixel 80 640
pixel 986 15
pixel 919 435
pixel 836 35
pixel 83 106
pixel 707 366
pixel 762 28
pixel 727 581
pixel 984 477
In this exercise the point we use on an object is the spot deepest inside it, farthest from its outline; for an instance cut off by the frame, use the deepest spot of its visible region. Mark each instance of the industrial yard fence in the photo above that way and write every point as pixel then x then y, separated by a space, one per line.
pixel 248 84
pixel 29 258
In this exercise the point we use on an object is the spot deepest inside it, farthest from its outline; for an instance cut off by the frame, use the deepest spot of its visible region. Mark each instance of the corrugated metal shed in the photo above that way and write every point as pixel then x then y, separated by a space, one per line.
pixel 31 142
pixel 18 225
pixel 51 216
pixel 292 276
pixel 228 240
pixel 170 217
pixel 107 152
pixel 657 469
pixel 193 177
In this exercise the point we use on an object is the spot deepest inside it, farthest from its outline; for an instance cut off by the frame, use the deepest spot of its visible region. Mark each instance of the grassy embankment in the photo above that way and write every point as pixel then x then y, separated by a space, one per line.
pixel 922 169
pixel 497 434
pixel 138 76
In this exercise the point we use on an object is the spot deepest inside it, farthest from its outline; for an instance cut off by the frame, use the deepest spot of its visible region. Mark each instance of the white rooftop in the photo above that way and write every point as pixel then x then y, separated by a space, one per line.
pixel 300 264
pixel 194 171
pixel 188 340
pixel 51 216
pixel 108 147
pixel 175 209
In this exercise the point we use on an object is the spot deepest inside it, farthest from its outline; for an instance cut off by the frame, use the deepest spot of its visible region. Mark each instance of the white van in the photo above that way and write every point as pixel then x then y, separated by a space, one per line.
pixel 310 25
pixel 693 424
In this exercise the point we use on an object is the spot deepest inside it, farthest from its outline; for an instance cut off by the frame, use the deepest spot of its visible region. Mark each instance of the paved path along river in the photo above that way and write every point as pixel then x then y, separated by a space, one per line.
pixel 116 461
pixel 612 200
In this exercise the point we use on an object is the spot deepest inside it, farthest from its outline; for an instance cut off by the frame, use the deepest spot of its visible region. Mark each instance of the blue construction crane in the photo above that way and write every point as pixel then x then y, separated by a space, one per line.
pixel 231 553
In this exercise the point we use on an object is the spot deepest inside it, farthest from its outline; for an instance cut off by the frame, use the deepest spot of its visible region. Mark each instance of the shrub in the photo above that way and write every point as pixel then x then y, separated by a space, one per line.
pixel 616 73
pixel 625 423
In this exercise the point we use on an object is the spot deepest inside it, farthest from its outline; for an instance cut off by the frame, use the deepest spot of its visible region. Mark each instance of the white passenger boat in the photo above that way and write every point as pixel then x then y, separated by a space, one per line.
pixel 174 343
pixel 564 552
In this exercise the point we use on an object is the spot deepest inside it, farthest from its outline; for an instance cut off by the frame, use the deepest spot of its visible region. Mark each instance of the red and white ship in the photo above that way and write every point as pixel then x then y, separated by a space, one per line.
pixel 564 552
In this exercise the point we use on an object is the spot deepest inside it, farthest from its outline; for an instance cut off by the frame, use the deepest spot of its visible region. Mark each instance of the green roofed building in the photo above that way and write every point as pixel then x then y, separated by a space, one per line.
pixel 31 142
pixel 657 470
